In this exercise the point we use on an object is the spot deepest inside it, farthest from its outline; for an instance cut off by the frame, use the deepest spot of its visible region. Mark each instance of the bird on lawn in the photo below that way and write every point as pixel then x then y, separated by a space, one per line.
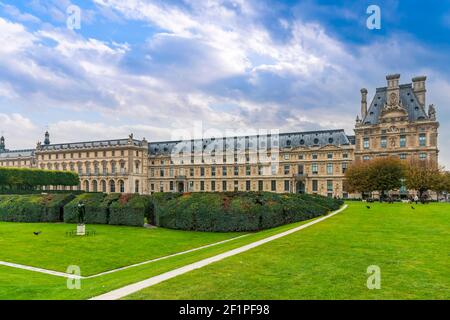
pixel 36 233
pixel 368 207
pixel 412 207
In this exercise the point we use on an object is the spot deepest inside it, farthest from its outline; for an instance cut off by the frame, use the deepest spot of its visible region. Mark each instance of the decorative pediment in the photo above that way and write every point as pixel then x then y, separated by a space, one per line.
pixel 393 108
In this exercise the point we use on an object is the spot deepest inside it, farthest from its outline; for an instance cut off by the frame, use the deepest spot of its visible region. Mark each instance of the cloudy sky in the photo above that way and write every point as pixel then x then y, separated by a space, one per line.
pixel 151 67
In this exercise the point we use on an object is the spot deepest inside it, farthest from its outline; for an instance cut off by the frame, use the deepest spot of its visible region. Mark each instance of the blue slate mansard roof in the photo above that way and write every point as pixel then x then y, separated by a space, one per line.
pixel 285 140
pixel 409 101
pixel 89 144
pixel 26 153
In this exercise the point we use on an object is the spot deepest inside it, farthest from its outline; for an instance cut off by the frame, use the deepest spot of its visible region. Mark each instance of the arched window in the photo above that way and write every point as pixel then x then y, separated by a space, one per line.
pixel 86 186
pixel 112 186
pixel 95 186
pixel 121 186
pixel 103 185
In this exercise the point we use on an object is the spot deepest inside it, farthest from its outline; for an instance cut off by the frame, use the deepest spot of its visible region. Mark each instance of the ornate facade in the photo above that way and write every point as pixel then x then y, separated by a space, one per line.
pixel 397 123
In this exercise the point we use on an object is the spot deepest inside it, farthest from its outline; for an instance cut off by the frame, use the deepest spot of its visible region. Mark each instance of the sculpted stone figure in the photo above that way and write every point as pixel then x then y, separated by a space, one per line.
pixel 81 212
pixel 431 111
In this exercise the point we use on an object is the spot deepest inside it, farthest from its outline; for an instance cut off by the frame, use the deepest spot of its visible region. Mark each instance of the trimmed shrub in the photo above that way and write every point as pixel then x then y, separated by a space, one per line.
pixel 250 211
pixel 155 200
pixel 30 179
pixel 33 208
pixel 96 207
pixel 129 210
pixel 54 204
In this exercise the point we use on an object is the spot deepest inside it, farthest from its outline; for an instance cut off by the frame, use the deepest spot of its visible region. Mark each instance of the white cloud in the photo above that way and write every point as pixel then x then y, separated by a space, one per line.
pixel 213 61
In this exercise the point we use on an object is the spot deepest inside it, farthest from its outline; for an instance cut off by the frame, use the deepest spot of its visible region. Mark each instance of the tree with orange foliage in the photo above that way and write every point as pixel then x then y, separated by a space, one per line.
pixel 422 176
pixel 381 174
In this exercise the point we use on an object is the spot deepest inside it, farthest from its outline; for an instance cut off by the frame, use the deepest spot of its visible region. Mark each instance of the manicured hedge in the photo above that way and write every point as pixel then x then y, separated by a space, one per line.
pixel 250 211
pixel 30 179
pixel 129 210
pixel 96 206
pixel 156 200
pixel 33 208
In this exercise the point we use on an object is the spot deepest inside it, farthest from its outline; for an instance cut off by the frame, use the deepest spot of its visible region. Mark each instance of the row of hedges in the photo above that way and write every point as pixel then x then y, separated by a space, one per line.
pixel 250 211
pixel 30 179
pixel 116 209
pixel 239 211
pixel 96 206
pixel 33 208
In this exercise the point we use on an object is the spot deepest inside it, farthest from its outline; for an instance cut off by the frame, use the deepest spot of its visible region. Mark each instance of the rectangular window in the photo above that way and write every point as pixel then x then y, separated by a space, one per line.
pixel 202 171
pixel 315 186
pixel 403 156
pixel 329 168
pixel 344 167
pixel 191 172
pixel 366 144
pixel 314 156
pixel 300 169
pixel 366 158
pixel 300 157
pixel 224 186
pixel 383 142
pixel 422 156
pixel 247 185
pixel 330 185
pixel 422 139
pixel 213 171
pixel 286 185
pixel 202 185
pixel 314 168
pixel 287 170
pixel 274 169
pixel 286 157
pixel 260 170
pixel 152 186
pixel 329 156
pixel 236 170
pixel 171 185
pixel 224 171
pixel 213 186
pixel 273 185
pixel 345 155
pixel 247 170
pixel 260 185
pixel 236 185
pixel 402 141
pixel 161 172
pixel 161 187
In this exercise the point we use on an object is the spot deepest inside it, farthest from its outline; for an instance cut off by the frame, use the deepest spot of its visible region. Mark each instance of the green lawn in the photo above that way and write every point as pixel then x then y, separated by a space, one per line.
pixel 110 248
pixel 329 260
pixel 326 261
pixel 22 284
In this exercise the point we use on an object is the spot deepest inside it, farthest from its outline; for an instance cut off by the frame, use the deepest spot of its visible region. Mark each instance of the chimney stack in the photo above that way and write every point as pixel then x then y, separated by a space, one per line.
pixel 419 89
pixel 363 103
pixel 393 81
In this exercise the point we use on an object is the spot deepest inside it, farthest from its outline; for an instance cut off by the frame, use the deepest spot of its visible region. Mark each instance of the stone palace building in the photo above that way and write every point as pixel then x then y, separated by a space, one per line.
pixel 396 123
